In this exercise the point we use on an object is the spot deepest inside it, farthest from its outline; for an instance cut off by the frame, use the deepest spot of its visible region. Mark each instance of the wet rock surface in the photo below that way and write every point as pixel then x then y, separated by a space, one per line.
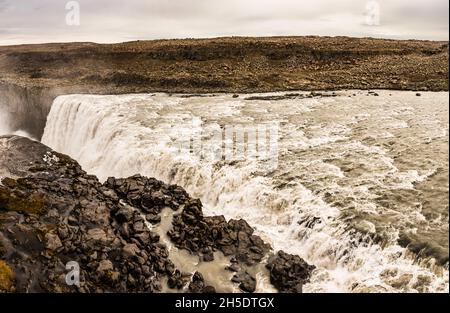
pixel 290 96
pixel 288 272
pixel 246 281
pixel 198 284
pixel 53 213
pixel 199 234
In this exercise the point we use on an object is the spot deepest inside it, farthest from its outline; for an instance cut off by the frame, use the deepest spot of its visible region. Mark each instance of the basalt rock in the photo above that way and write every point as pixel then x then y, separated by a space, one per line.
pixel 288 272
pixel 290 96
pixel 149 194
pixel 54 215
pixel 198 285
pixel 246 282
pixel 196 233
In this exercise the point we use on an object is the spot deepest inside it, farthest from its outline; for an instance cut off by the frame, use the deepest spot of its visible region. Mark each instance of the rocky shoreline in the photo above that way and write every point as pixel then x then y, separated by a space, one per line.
pixel 53 213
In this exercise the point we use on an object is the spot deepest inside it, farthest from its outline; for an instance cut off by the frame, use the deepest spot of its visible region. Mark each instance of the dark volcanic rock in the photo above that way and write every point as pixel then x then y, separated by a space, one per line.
pixel 290 96
pixel 148 194
pixel 198 284
pixel 176 281
pixel 288 272
pixel 53 214
pixel 196 233
pixel 246 282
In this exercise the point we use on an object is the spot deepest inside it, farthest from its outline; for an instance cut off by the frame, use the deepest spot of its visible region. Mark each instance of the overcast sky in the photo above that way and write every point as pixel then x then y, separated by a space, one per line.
pixel 37 21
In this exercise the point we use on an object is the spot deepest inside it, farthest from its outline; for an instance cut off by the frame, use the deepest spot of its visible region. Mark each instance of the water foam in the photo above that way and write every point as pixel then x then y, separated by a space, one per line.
pixel 124 135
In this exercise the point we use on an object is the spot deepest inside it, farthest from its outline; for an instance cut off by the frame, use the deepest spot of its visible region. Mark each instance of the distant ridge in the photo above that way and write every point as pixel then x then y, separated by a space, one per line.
pixel 229 64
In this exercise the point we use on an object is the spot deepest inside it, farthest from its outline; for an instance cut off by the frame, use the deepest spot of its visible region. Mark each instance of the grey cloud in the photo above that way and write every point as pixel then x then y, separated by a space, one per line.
pixel 3 5
pixel 116 20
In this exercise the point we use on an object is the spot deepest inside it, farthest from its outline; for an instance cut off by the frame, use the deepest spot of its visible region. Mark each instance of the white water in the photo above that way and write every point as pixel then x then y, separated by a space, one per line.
pixel 335 160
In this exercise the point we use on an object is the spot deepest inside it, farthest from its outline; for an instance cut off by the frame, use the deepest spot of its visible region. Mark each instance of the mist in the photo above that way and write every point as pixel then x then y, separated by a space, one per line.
pixel 6 127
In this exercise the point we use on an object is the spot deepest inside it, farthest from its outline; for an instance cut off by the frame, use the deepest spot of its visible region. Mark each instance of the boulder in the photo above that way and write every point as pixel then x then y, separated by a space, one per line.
pixel 288 272
pixel 246 282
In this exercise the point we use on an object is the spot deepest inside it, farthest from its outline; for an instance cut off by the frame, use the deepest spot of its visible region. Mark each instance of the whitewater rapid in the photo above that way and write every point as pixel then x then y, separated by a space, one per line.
pixel 353 173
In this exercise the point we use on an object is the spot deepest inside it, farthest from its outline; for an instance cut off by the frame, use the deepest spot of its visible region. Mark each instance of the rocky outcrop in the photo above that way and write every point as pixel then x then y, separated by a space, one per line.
pixel 198 284
pixel 290 96
pixel 246 281
pixel 57 214
pixel 52 214
pixel 288 272
pixel 199 234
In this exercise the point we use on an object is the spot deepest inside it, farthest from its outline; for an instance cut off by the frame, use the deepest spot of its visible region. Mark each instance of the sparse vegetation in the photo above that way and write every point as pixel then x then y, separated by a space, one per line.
pixel 6 277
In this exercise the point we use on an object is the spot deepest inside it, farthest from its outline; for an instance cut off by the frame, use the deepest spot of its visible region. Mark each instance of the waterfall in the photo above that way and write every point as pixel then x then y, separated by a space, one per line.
pixel 289 206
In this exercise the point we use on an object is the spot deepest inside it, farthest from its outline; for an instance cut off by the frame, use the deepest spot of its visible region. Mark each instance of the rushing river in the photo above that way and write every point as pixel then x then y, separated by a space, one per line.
pixel 348 183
